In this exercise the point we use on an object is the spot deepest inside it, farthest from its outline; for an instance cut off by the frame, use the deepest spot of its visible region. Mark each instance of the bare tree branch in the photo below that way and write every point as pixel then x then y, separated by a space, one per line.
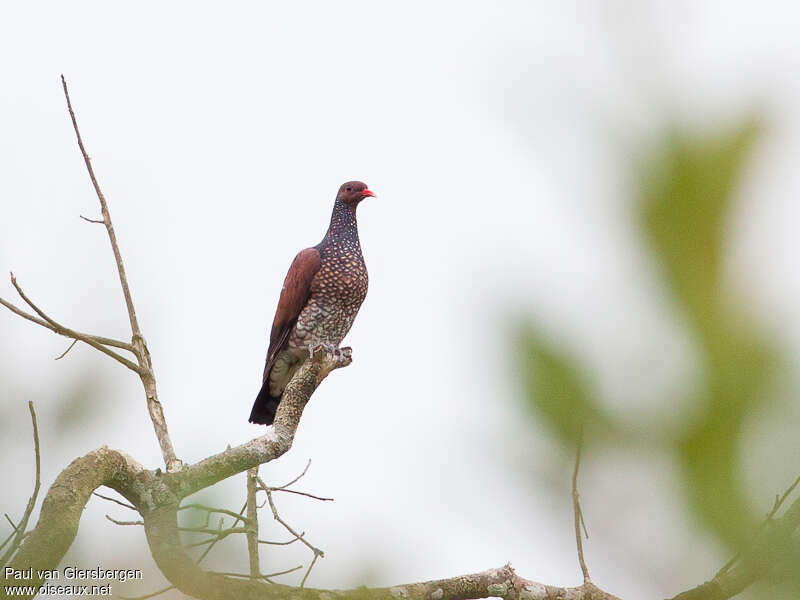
pixel 139 346
pixel 212 509
pixel 577 513
pixel 252 525
pixel 19 532
pixel 116 522
pixel 66 332
pixel 306 494
pixel 106 219
pixel 92 341
pixel 288 527
pixel 779 500
pixel 110 499
pixel 770 544
pixel 296 479
pixel 238 518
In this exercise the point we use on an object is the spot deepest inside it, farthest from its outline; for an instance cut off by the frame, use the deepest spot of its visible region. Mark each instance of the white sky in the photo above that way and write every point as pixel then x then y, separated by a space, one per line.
pixel 499 138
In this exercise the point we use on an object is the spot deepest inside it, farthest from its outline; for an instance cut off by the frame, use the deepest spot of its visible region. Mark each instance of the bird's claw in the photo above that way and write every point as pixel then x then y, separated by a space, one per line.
pixel 323 348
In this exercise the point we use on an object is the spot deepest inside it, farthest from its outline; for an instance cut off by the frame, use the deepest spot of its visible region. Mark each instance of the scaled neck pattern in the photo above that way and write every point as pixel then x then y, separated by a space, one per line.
pixel 343 230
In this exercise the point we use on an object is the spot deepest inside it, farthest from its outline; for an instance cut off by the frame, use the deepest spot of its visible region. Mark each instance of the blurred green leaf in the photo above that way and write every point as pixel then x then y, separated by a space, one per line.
pixel 557 388
pixel 686 195
pixel 685 206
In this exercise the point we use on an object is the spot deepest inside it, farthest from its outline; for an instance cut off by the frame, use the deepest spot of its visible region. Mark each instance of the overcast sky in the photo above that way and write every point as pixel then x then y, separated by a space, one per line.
pixel 500 139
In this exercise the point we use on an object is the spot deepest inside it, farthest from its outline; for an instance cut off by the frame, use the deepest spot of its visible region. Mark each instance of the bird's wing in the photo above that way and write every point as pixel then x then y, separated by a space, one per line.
pixel 294 295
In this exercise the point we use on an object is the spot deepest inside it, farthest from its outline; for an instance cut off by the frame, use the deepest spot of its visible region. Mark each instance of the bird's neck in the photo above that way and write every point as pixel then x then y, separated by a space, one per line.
pixel 343 222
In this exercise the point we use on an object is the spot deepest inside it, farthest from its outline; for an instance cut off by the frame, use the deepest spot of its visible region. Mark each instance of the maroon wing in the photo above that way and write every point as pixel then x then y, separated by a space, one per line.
pixel 294 295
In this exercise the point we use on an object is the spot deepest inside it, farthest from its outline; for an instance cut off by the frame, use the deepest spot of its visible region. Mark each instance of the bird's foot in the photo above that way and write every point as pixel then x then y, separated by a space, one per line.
pixel 323 348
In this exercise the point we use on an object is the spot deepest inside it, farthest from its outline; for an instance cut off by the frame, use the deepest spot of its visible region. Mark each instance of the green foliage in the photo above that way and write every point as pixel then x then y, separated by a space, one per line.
pixel 557 388
pixel 684 206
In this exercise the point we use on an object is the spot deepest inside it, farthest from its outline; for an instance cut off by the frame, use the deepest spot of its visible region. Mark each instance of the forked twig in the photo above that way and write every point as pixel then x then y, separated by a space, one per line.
pixel 106 218
pixel 58 328
pixel 19 532
pixel 317 552
pixel 138 345
pixel 576 509
pixel 779 500
pixel 296 479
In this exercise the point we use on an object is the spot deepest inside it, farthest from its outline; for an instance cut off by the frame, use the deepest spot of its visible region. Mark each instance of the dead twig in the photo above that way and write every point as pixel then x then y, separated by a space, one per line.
pixel 288 527
pixel 306 494
pixel 284 487
pixel 252 517
pixel 74 334
pixel 19 532
pixel 296 479
pixel 138 345
pixel 110 499
pixel 576 509
pixel 247 576
pixel 311 566
pixel 779 500
pixel 63 354
pixel 291 541
pixel 317 552
pixel 95 341
pixel 116 522
pixel 212 509
pixel 214 543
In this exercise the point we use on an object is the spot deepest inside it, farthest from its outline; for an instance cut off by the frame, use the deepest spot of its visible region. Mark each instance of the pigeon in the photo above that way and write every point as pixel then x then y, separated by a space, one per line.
pixel 321 296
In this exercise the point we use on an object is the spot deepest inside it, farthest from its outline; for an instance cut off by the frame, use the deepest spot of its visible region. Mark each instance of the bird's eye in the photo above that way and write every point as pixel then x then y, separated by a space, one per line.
pixel 349 189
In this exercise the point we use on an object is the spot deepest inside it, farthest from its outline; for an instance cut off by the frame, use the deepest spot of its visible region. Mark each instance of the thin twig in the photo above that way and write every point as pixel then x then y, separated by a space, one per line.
pixel 10 535
pixel 10 522
pixel 311 566
pixel 139 346
pixel 252 517
pixel 116 522
pixel 88 220
pixel 306 494
pixel 66 332
pixel 296 479
pixel 221 533
pixel 23 523
pixel 110 499
pixel 106 218
pixel 63 354
pixel 576 508
pixel 247 576
pixel 214 543
pixel 291 541
pixel 288 527
pixel 212 509
pixel 74 334
pixel 779 500
pixel 216 535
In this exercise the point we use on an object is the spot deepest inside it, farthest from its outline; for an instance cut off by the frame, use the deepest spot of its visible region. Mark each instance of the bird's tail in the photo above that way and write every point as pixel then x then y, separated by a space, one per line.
pixel 264 407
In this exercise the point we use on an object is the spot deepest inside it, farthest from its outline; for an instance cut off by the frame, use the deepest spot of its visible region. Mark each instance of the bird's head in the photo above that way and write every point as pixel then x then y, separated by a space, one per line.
pixel 353 192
